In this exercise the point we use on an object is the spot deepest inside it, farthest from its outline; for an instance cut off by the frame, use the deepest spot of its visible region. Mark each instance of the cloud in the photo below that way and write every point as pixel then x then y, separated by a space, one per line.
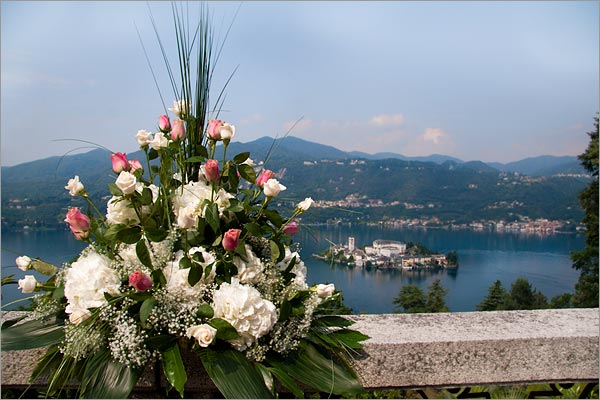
pixel 434 135
pixel 432 140
pixel 298 126
pixel 251 120
pixel 387 120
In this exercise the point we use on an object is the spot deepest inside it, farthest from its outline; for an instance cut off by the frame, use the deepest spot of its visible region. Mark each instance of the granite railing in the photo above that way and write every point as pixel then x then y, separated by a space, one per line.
pixel 431 351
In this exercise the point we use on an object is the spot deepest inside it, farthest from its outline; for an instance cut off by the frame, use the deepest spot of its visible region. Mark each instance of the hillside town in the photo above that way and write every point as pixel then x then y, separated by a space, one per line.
pixel 388 254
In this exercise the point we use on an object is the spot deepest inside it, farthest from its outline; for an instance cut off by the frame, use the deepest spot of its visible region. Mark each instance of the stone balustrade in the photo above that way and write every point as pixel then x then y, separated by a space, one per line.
pixel 433 350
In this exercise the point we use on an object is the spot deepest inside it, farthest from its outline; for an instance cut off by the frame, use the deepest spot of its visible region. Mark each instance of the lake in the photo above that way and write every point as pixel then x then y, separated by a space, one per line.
pixel 484 257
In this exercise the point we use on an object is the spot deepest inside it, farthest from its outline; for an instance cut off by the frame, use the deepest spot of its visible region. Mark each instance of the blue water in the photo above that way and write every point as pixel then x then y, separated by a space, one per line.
pixel 484 257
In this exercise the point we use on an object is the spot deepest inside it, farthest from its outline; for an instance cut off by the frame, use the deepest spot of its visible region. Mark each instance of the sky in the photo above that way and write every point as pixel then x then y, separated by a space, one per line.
pixel 491 81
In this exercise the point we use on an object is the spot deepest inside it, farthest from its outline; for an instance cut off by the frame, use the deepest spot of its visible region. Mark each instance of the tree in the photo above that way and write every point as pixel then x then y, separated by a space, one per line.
pixel 523 297
pixel 435 298
pixel 561 301
pixel 410 299
pixel 586 289
pixel 496 298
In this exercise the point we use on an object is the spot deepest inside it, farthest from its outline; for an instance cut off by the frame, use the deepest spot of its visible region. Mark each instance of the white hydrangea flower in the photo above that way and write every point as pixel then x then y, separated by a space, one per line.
pixel 177 278
pixel 86 282
pixel 250 269
pixel 188 203
pixel 299 269
pixel 241 306
pixel 119 211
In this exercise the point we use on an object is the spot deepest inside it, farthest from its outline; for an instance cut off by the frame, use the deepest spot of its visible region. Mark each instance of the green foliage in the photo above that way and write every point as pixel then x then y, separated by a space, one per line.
pixel 586 261
pixel 412 299
pixel 496 298
pixel 522 296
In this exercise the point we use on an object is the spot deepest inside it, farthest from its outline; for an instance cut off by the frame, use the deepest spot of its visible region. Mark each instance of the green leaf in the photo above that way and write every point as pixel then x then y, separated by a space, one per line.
pixel 152 154
pixel 44 268
pixel 112 232
pixel 146 309
pixel 201 151
pixel 146 197
pixel 185 263
pixel 267 377
pixel 233 374
pixel 160 342
pixel 284 312
pixel 254 229
pixel 349 337
pixel 31 335
pixel 107 379
pixel 240 158
pixel 235 205
pixel 225 331
pixel 274 217
pixel 58 293
pixel 312 368
pixel 155 235
pixel 205 311
pixel 158 276
pixel 114 190
pixel 196 159
pixel 9 323
pixel 195 274
pixel 47 362
pixel 212 217
pixel 287 382
pixel 247 172
pixel 143 254
pixel 274 249
pixel 174 369
pixel 139 296
pixel 130 235
pixel 333 320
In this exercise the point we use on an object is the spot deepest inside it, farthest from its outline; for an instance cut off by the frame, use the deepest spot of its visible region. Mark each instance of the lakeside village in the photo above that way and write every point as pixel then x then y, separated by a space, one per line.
pixel 388 254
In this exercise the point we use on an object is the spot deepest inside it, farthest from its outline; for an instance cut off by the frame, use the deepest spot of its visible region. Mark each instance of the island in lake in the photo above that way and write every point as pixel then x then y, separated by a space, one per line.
pixel 388 254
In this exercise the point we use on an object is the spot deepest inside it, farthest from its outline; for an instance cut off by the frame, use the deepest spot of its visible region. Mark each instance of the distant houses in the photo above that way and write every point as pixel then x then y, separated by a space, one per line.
pixel 387 254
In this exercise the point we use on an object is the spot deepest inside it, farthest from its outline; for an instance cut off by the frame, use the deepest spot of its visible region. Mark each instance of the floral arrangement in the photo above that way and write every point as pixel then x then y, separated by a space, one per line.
pixel 189 256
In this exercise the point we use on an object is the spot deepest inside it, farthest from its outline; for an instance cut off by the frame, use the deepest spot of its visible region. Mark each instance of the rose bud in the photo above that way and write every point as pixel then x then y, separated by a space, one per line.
pixel 119 162
pixel 272 188
pixel 164 124
pixel 227 131
pixel 291 228
pixel 325 290
pixel 143 137
pixel 178 132
pixel 305 204
pixel 134 165
pixel 231 239
pixel 211 170
pixel 79 223
pixel 74 186
pixel 214 129
pixel 28 284
pixel 23 262
pixel 204 334
pixel 264 176
pixel 140 281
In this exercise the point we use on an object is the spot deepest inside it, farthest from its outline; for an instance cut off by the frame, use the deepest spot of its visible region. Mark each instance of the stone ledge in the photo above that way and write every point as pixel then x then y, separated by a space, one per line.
pixel 435 350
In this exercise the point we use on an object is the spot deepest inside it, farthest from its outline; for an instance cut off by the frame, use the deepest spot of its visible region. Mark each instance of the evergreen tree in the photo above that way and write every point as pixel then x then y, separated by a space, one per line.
pixel 496 298
pixel 435 298
pixel 523 297
pixel 410 299
pixel 561 301
pixel 586 289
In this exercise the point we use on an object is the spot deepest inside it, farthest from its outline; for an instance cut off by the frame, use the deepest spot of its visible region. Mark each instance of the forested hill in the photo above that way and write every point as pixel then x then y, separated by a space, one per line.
pixel 353 187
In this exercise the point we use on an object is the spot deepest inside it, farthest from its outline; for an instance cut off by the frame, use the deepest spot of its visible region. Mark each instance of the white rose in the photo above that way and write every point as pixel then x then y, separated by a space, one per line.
pixel 79 315
pixel 305 204
pixel 74 186
pixel 126 182
pixel 159 141
pixel 28 284
pixel 249 162
pixel 204 334
pixel 325 290
pixel 23 262
pixel 272 187
pixel 180 108
pixel 143 137
pixel 227 131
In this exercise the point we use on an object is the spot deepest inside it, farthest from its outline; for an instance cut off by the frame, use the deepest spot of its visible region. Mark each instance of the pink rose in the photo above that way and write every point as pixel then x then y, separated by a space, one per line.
pixel 164 124
pixel 231 239
pixel 178 132
pixel 211 170
pixel 140 281
pixel 291 228
pixel 119 162
pixel 264 176
pixel 214 129
pixel 79 223
pixel 134 165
